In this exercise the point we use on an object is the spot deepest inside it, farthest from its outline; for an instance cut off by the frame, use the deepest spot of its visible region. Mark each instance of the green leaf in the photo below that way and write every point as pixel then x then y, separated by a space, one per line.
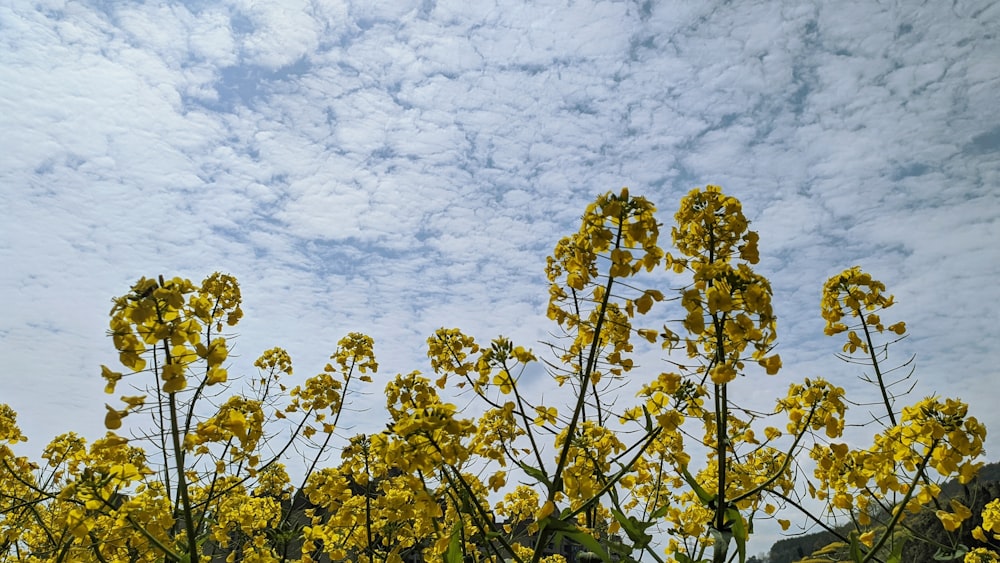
pixel 830 548
pixel 613 493
pixel 535 473
pixel 554 523
pixel 588 541
pixel 855 551
pixel 899 540
pixel 635 529
pixel 739 532
pixel 660 512
pixel 721 539
pixel 563 528
pixel 949 555
pixel 454 553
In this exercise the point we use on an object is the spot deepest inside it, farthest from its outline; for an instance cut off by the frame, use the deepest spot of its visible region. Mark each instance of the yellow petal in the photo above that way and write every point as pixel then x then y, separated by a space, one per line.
pixel 113 419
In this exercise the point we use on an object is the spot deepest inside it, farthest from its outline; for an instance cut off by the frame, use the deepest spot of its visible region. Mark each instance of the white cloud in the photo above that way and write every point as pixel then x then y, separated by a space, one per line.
pixel 282 33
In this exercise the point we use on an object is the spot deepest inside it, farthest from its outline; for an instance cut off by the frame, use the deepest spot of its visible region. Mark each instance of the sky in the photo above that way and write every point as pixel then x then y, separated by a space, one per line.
pixel 395 167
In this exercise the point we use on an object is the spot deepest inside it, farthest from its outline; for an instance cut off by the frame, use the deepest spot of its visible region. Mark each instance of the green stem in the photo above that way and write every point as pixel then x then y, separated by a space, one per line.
pixel 182 486
pixel 524 419
pixel 588 371
pixel 878 372
pixel 168 553
pixel 482 519
pixel 721 420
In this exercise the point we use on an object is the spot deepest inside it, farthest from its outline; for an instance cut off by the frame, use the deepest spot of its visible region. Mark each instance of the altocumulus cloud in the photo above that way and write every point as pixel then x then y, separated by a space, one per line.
pixel 392 167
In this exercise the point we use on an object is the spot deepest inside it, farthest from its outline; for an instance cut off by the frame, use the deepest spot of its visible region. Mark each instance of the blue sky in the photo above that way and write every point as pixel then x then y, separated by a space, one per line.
pixel 394 167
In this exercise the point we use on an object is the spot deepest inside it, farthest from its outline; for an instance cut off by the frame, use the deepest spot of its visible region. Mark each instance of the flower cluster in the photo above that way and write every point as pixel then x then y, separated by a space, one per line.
pixel 856 294
pixel 617 240
pixel 729 305
pixel 932 434
pixel 174 315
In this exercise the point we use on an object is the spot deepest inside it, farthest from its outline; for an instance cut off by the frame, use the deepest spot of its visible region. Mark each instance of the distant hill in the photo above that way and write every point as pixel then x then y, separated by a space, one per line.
pixel 984 488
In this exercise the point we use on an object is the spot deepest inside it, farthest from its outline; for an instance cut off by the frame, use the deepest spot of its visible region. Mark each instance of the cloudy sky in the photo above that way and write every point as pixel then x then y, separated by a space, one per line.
pixel 394 167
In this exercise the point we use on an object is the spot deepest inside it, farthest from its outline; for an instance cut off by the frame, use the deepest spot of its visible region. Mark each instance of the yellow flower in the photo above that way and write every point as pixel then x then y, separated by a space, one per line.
pixel 953 520
pixel 504 380
pixel 236 423
pixel 771 364
pixel 991 517
pixel 981 555
pixel 134 402
pixel 498 480
pixel 546 415
pixel 719 300
pixel 968 471
pixel 695 322
pixel 548 508
pixel 112 377
pixel 78 523
pixel 723 373
pixel 113 418
pixel 215 375
pixel 648 333
pixel 126 471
